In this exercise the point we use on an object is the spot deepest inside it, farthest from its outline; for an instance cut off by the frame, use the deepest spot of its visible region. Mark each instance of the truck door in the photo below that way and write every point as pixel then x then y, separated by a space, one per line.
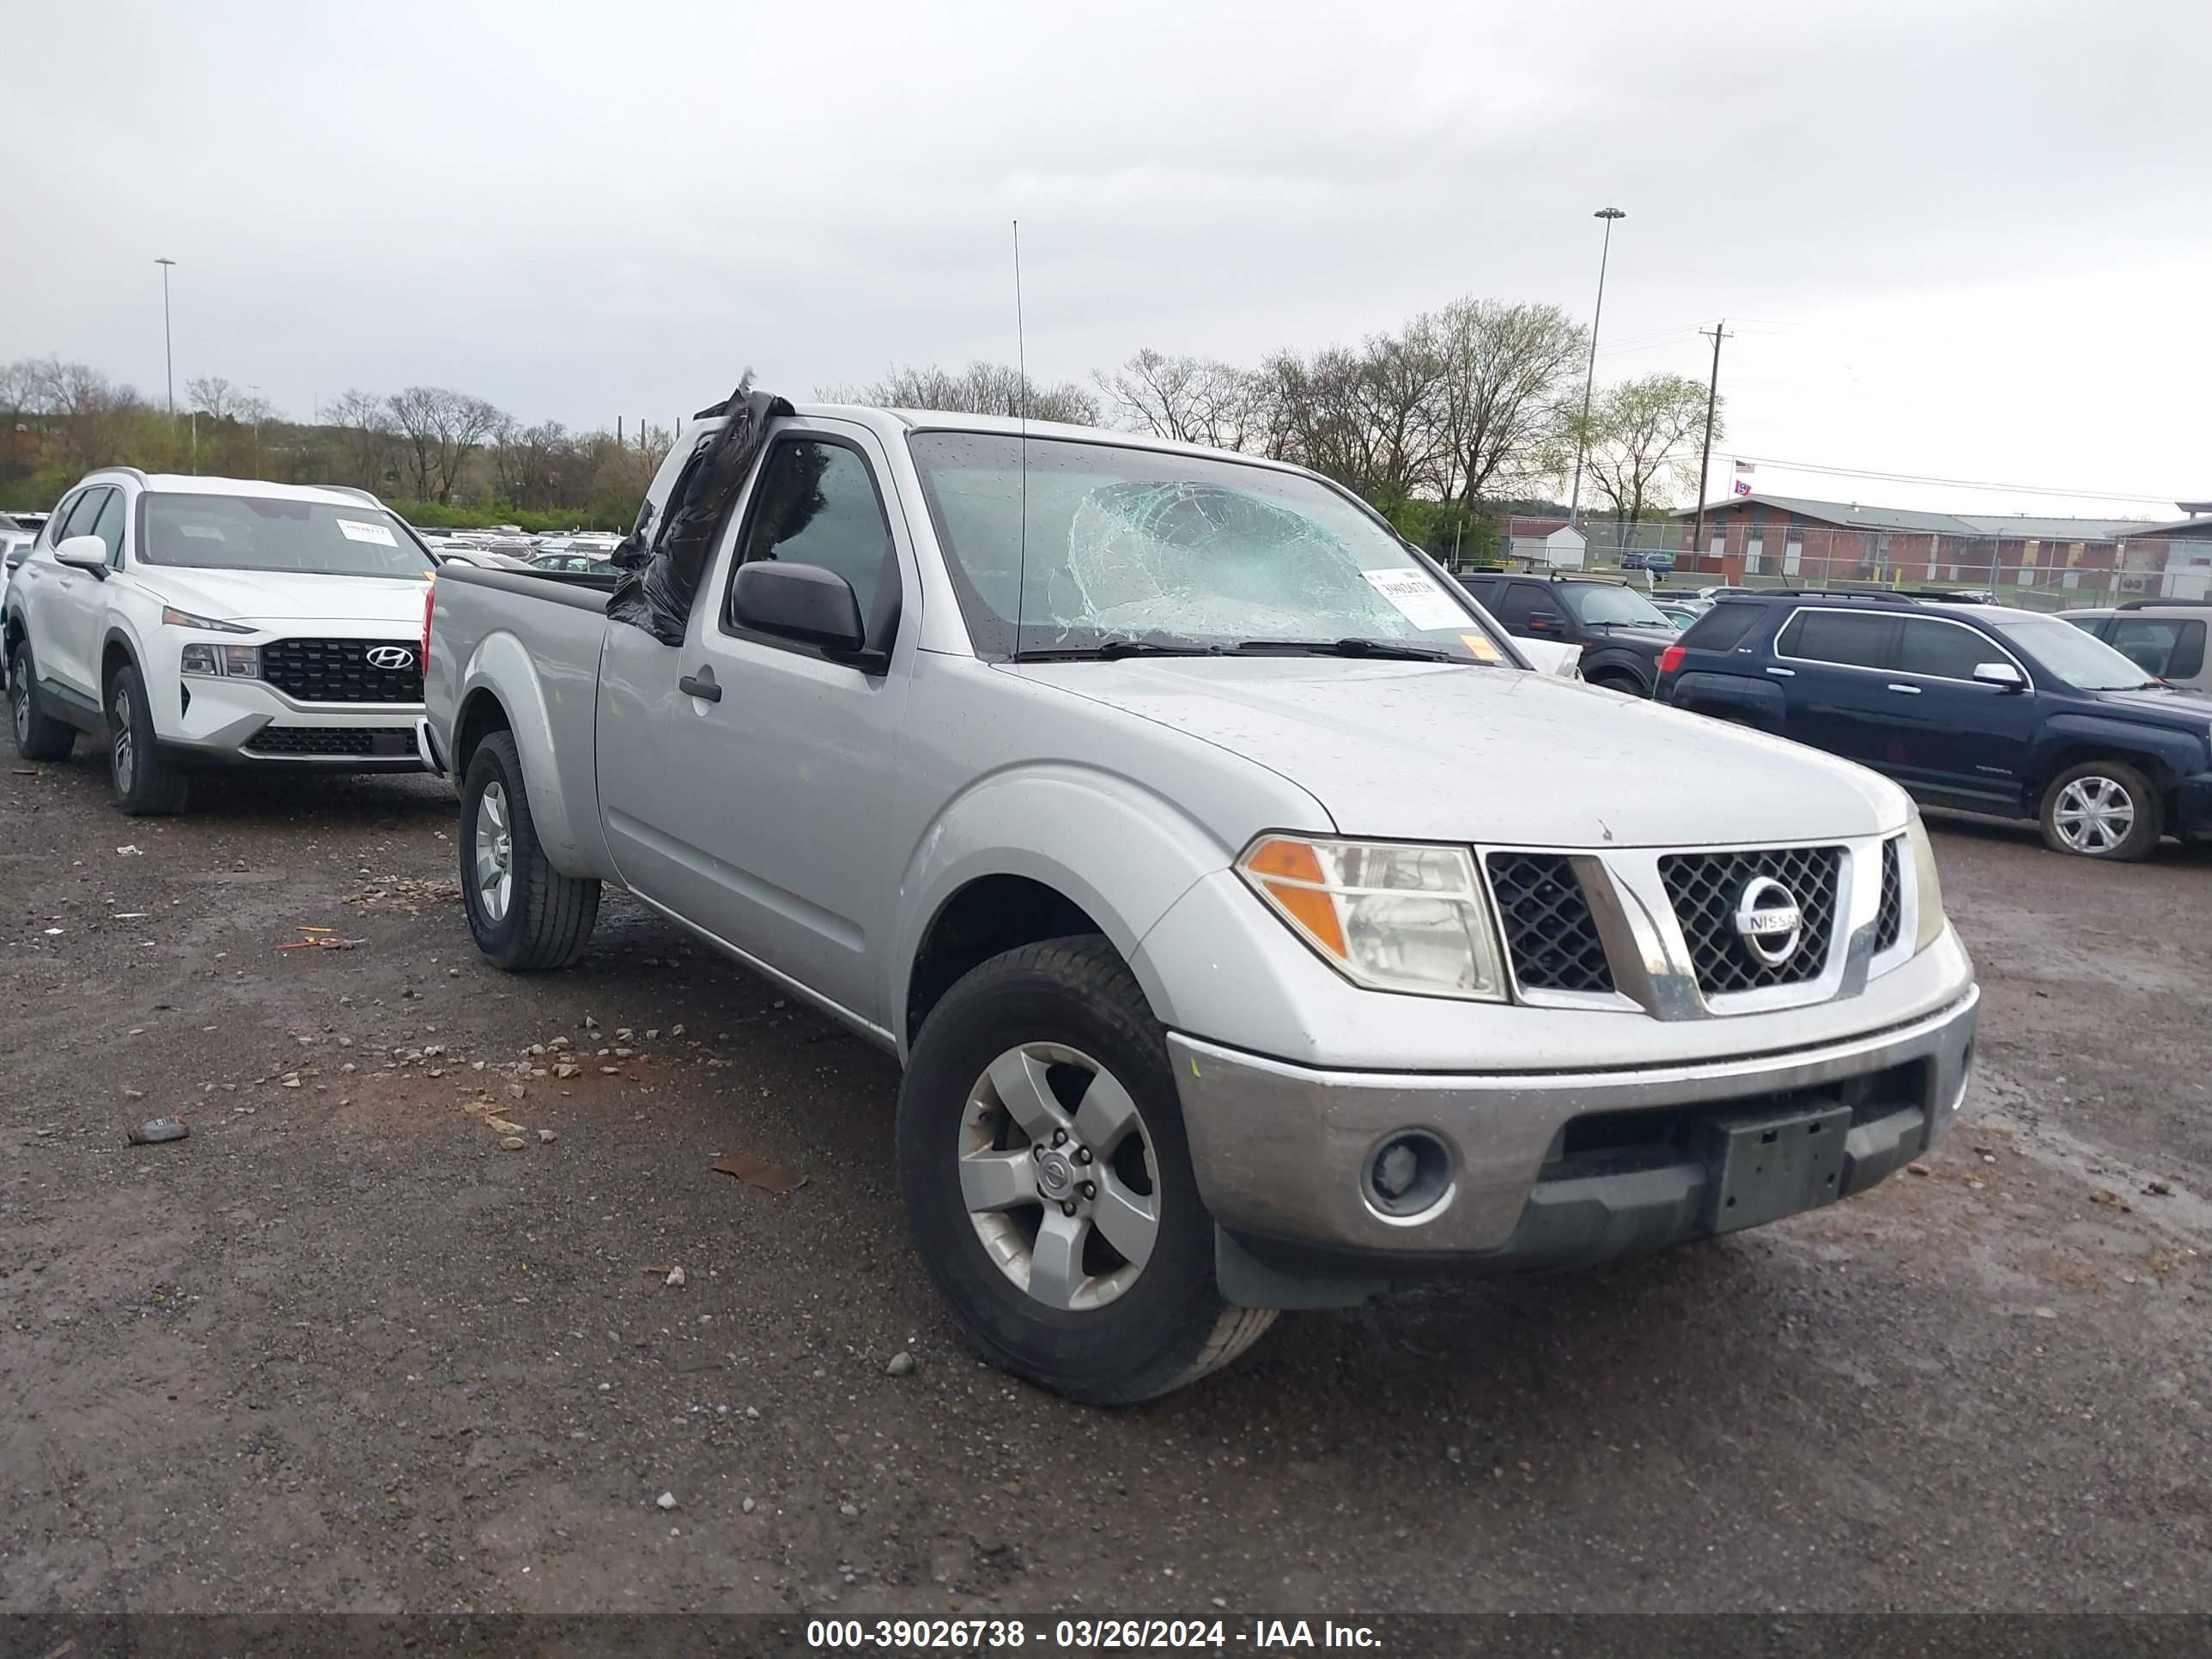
pixel 773 822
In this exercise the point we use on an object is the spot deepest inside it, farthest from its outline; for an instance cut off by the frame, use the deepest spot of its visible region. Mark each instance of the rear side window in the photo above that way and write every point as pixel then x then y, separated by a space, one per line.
pixel 1853 639
pixel 1724 627
pixel 2087 624
pixel 2171 647
pixel 1515 604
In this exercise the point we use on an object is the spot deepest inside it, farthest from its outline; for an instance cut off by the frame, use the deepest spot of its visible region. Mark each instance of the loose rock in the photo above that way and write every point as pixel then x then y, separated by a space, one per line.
pixel 666 1500
pixel 902 1363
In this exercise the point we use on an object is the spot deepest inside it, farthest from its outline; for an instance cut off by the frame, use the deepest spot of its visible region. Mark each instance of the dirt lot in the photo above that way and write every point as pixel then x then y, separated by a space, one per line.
pixel 340 1349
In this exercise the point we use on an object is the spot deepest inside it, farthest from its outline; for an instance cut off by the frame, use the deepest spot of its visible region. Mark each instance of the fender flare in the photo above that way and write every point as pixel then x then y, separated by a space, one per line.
pixel 2172 754
pixel 501 669
pixel 1141 852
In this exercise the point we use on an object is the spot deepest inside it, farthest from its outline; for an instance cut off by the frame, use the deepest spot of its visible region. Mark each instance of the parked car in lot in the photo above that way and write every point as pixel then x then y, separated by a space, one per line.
pixel 568 562
pixel 1618 632
pixel 191 623
pixel 1678 613
pixel 1256 930
pixel 16 539
pixel 2165 638
pixel 481 558
pixel 1658 563
pixel 1977 707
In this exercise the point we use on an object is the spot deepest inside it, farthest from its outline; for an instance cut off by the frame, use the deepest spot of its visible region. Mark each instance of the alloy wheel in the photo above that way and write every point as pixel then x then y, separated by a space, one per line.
pixel 125 753
pixel 2093 814
pixel 494 852
pixel 1057 1173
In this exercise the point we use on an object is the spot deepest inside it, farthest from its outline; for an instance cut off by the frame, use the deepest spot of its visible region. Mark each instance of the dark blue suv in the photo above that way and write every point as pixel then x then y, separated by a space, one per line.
pixel 1975 707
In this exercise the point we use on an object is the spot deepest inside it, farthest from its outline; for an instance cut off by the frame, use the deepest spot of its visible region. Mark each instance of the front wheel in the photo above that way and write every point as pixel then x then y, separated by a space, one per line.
pixel 2102 810
pixel 145 785
pixel 1049 1184
pixel 1626 684
pixel 526 915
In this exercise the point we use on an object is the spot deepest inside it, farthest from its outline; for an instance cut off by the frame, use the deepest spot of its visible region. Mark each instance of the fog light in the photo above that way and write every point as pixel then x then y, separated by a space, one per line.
pixel 1407 1175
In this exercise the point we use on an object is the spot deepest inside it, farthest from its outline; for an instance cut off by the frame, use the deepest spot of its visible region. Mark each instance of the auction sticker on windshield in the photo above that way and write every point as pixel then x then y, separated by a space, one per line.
pixel 1417 600
pixel 355 531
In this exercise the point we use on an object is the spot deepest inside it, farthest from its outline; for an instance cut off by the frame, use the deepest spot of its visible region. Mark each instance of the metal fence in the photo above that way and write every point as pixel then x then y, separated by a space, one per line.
pixel 2042 574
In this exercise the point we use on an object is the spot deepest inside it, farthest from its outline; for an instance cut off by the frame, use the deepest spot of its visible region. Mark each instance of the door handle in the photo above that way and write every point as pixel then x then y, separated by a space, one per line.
pixel 1783 673
pixel 700 685
pixel 1909 691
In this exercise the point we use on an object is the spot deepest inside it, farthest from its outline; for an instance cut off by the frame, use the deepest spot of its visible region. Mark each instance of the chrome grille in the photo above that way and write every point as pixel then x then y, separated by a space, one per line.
pixel 1891 917
pixel 1548 928
pixel 1705 889
pixel 338 671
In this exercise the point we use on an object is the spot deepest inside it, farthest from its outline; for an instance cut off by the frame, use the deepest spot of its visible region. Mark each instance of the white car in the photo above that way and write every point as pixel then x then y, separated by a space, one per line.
pixel 191 624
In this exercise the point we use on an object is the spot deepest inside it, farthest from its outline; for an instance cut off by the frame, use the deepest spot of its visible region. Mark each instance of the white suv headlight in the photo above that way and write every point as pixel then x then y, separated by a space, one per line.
pixel 1389 915
pixel 1925 884
pixel 176 618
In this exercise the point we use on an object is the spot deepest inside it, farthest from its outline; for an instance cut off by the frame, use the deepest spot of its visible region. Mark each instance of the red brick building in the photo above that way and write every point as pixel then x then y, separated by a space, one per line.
pixel 1822 542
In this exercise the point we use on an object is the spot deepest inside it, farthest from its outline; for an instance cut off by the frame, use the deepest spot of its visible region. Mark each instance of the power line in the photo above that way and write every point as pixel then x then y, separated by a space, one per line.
pixel 1954 483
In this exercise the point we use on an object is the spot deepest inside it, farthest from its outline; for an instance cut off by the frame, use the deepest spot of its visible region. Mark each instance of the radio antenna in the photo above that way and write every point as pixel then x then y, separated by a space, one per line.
pixel 1021 415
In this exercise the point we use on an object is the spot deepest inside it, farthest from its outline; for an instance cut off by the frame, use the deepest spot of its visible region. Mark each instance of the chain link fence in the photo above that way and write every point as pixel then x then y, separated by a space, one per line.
pixel 2034 572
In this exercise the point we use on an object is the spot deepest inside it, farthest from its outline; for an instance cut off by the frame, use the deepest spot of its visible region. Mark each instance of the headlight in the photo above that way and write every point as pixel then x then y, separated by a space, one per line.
pixel 176 618
pixel 237 662
pixel 1385 914
pixel 1926 883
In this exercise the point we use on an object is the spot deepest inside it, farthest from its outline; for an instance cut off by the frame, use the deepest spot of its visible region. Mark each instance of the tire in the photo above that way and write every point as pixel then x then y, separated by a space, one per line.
pixel 1112 1329
pixel 537 918
pixel 39 735
pixel 2102 810
pixel 145 785
pixel 1627 685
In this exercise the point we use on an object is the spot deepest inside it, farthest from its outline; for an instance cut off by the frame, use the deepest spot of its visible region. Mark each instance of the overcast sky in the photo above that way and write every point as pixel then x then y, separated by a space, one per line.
pixel 1965 240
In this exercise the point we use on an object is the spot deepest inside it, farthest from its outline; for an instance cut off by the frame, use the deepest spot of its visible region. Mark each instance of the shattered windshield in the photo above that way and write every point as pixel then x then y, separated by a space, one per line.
pixel 1129 550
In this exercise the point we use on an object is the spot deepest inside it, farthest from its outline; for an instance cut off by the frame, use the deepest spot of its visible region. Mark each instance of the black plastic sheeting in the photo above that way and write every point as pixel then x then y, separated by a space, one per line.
pixel 661 573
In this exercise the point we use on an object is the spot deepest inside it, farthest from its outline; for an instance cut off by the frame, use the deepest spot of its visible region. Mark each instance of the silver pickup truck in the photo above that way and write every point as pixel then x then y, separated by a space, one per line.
pixel 1256 929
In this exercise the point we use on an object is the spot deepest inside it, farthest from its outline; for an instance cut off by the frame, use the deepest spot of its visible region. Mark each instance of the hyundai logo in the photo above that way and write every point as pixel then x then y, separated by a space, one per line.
pixel 1769 921
pixel 392 657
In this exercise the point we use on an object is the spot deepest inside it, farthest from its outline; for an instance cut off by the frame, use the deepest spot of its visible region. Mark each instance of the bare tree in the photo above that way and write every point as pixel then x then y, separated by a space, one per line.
pixel 365 425
pixel 1642 439
pixel 982 388
pixel 1365 416
pixel 440 429
pixel 214 396
pixel 1191 399
pixel 1499 416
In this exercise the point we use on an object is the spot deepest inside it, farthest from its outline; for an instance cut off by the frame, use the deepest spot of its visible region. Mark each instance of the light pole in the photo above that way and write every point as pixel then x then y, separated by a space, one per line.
pixel 1590 379
pixel 168 355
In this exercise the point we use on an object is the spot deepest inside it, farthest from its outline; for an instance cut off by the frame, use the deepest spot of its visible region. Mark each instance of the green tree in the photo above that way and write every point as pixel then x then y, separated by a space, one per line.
pixel 1643 437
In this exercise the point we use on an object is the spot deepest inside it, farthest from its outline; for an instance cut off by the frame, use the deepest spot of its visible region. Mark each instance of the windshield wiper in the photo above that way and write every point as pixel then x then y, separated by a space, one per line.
pixel 1386 649
pixel 1109 650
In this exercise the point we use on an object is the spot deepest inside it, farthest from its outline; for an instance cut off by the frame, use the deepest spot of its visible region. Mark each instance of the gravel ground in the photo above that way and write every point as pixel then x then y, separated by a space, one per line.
pixel 341 1349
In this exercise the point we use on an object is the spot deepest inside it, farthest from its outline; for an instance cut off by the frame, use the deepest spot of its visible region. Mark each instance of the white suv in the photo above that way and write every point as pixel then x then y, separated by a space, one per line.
pixel 197 622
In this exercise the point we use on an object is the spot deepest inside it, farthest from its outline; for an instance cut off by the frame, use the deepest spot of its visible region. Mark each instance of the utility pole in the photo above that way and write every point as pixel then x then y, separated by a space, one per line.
pixel 168 354
pixel 1590 379
pixel 1717 333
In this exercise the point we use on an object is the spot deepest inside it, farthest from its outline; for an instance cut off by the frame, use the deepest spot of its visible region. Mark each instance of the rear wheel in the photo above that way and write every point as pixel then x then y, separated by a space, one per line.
pixel 146 785
pixel 526 915
pixel 1049 1184
pixel 2102 810
pixel 39 735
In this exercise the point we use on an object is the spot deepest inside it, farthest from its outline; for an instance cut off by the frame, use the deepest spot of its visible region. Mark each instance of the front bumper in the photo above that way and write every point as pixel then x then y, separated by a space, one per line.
pixel 215 722
pixel 2193 805
pixel 1549 1168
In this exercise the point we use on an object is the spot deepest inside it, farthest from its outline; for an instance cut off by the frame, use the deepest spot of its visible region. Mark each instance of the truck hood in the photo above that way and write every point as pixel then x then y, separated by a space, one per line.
pixel 1434 752
pixel 268 600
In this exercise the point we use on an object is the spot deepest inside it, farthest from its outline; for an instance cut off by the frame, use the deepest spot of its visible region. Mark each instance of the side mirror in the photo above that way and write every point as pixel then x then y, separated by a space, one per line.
pixel 802 602
pixel 2002 675
pixel 83 553
pixel 1539 622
